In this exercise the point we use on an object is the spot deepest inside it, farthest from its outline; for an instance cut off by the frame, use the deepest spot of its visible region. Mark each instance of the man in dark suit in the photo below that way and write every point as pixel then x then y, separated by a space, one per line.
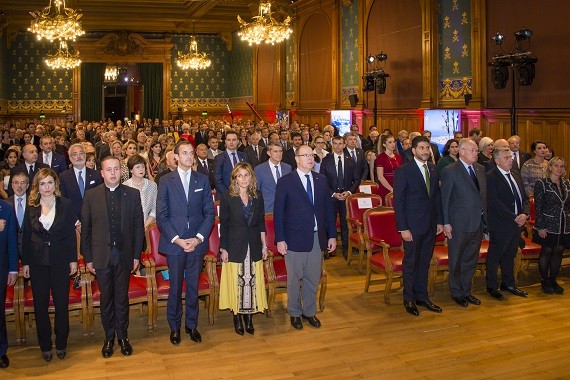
pixel 268 174
pixel 343 179
pixel 407 154
pixel 171 163
pixel 112 236
pixel 419 218
pixel 225 162
pixel 30 165
pixel 254 152
pixel 519 158
pixel 185 216
pixel 20 184
pixel 357 155
pixel 49 157
pixel 304 226
pixel 74 182
pixel 213 150
pixel 464 201
pixel 205 165
pixel 201 137
pixel 8 270
pixel 289 155
pixel 508 207
pixel 435 155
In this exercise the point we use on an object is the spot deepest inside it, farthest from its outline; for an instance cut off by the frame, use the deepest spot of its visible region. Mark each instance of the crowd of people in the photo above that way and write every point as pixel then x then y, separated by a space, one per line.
pixel 109 181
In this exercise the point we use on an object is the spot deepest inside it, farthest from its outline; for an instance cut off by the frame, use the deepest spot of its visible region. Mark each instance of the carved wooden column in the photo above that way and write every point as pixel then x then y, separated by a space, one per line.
pixel 429 54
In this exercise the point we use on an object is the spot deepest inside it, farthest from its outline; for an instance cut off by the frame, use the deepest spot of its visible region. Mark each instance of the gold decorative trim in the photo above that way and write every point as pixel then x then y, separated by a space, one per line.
pixel 39 105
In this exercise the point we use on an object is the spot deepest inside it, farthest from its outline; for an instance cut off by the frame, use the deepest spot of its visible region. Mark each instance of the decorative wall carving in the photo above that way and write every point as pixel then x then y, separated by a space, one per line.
pixel 122 43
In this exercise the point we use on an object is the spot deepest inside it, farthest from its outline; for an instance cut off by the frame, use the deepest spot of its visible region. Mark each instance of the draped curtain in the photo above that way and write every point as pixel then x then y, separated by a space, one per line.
pixel 92 75
pixel 151 76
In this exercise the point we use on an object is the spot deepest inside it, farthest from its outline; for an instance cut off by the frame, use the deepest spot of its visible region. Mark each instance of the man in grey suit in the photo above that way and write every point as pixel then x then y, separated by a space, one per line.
pixel 269 172
pixel 20 184
pixel 464 200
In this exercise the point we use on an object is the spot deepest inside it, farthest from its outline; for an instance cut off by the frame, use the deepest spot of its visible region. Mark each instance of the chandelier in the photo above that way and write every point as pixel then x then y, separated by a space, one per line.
pixel 264 28
pixel 111 73
pixel 56 21
pixel 63 58
pixel 193 60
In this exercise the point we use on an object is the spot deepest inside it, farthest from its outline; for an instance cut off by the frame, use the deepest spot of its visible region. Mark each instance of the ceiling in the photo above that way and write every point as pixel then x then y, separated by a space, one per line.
pixel 146 16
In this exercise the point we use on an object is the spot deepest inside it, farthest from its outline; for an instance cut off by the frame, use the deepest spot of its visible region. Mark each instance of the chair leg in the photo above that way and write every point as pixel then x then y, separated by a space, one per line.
pixel 360 258
pixel 432 274
pixel 322 293
pixel 517 264
pixel 349 254
pixel 368 275
pixel 388 288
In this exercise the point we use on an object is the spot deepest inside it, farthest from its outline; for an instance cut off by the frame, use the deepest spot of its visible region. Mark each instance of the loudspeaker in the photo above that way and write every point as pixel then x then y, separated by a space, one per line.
pixel 353 98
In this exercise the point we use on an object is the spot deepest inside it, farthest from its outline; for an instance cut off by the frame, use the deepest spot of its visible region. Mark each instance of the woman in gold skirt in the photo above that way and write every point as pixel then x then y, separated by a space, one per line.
pixel 243 249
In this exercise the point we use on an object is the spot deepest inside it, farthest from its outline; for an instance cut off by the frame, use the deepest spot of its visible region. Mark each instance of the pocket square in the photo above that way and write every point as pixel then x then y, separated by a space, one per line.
pixel 92 182
pixel 198 190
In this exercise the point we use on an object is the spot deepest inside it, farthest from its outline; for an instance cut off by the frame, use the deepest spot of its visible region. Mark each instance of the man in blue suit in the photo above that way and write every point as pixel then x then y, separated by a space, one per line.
pixel 8 269
pixel 225 162
pixel 419 218
pixel 185 216
pixel 269 172
pixel 49 157
pixel 304 226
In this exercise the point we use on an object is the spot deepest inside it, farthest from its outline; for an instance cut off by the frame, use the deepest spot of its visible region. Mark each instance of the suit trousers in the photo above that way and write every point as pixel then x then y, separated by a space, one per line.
pixel 463 256
pixel 503 248
pixel 43 280
pixel 114 287
pixel 3 331
pixel 415 266
pixel 339 208
pixel 179 265
pixel 303 277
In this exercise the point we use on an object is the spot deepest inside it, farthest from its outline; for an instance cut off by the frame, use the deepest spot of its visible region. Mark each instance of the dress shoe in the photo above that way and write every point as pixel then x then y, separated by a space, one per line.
pixel 194 335
pixel 175 337
pixel 297 323
pixel 238 324
pixel 126 348
pixel 248 319
pixel 546 286
pixel 460 301
pixel 107 350
pixel 60 354
pixel 4 361
pixel 313 321
pixel 556 288
pixel 411 308
pixel 514 290
pixel 429 305
pixel 46 355
pixel 345 253
pixel 472 299
pixel 495 293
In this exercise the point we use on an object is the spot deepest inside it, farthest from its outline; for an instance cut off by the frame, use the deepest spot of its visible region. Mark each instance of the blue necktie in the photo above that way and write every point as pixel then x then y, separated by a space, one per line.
pixel 81 184
pixel 186 184
pixel 277 174
pixel 309 188
pixel 20 212
pixel 473 176
pixel 234 159
pixel 353 156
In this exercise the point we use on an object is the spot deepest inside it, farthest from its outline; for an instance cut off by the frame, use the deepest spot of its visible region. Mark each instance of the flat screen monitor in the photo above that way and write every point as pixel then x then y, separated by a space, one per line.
pixel 442 124
pixel 342 119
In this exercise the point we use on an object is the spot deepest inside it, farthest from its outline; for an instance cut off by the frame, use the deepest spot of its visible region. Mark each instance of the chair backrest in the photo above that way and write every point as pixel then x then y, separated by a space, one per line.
pixel 270 233
pixel 357 204
pixel 532 209
pixel 368 187
pixel 380 223
pixel 152 240
pixel 389 200
pixel 214 239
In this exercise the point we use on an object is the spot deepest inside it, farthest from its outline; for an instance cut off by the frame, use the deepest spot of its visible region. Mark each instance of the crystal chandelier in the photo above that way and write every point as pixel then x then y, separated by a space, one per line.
pixel 264 28
pixel 63 58
pixel 56 21
pixel 193 60
pixel 111 73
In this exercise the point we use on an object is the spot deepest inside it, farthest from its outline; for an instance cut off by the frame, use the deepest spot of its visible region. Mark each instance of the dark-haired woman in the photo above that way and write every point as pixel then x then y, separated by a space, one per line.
pixel 535 169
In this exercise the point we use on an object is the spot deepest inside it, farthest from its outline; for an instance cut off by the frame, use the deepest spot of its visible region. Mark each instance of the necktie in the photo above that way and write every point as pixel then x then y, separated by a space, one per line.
pixel 518 201
pixel 205 165
pixel 277 174
pixel 255 152
pixel 339 175
pixel 309 188
pixel 81 183
pixel 234 160
pixel 20 212
pixel 31 170
pixel 426 171
pixel 473 176
pixel 353 155
pixel 185 184
pixel 515 161
pixel 48 159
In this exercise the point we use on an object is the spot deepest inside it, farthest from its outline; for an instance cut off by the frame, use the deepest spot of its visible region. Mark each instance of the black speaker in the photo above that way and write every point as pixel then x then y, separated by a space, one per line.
pixel 353 98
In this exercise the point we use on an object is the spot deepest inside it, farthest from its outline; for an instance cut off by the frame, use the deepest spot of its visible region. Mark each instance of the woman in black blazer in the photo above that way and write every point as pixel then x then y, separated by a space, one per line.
pixel 49 256
pixel 552 226
pixel 242 248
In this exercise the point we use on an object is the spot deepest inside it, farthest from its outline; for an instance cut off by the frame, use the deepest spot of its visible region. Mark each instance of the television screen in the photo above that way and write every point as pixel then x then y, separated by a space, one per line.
pixel 342 119
pixel 442 124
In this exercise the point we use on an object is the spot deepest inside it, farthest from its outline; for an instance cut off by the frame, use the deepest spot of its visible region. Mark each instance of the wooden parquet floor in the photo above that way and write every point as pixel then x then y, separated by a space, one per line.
pixel 361 337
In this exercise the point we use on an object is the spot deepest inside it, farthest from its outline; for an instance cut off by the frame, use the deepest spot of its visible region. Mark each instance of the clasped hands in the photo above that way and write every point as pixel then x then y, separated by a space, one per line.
pixel 341 196
pixel 188 245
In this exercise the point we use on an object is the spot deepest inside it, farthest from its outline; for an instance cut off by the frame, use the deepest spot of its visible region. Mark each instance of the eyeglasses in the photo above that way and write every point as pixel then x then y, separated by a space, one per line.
pixel 319 142
pixel 306 155
pixel 76 154
pixel 471 150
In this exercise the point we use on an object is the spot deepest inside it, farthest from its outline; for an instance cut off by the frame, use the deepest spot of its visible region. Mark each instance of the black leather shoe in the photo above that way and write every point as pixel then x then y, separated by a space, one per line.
pixel 60 354
pixel 313 321
pixel 297 323
pixel 4 361
pixel 472 299
pixel 546 287
pixel 495 293
pixel 514 290
pixel 238 324
pixel 430 306
pixel 107 350
pixel 194 335
pixel 46 355
pixel 460 301
pixel 411 308
pixel 175 337
pixel 126 348
pixel 248 319
pixel 555 287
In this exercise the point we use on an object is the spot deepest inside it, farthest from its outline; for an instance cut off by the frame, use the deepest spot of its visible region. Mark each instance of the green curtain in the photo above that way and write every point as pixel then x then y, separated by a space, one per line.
pixel 92 75
pixel 151 77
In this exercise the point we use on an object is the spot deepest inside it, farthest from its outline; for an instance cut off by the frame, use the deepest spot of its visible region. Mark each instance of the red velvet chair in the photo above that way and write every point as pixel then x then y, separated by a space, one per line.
pixel 530 251
pixel 389 200
pixel 14 296
pixel 384 248
pixel 365 185
pixel 439 262
pixel 356 205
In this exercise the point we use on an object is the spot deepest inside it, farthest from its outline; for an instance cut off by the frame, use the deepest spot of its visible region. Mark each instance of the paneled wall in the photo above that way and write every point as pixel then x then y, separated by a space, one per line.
pixel 240 77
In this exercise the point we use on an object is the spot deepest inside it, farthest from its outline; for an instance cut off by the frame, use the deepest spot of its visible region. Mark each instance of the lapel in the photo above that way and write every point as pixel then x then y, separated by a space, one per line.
pixel 124 204
pixel 57 212
pixel 466 177
pixel 552 188
pixel 193 184
pixel 417 172
pixel 178 184
pixel 102 201
pixel 299 184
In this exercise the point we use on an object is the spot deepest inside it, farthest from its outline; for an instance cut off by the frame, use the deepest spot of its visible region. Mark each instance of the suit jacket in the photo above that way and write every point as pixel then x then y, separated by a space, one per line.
pixel 8 240
pixel 58 163
pixel 19 229
pixel 523 157
pixel 464 206
pixel 294 221
pixel 55 246
pixel 95 236
pixel 104 151
pixel 23 167
pixel 223 168
pixel 252 159
pixel 361 163
pixel 407 155
pixel 415 209
pixel 237 232
pixel 552 207
pixel 208 172
pixel 289 158
pixel 198 139
pixel 70 188
pixel 211 154
pixel 176 216
pixel 501 202
pixel 266 182
pixel 351 179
